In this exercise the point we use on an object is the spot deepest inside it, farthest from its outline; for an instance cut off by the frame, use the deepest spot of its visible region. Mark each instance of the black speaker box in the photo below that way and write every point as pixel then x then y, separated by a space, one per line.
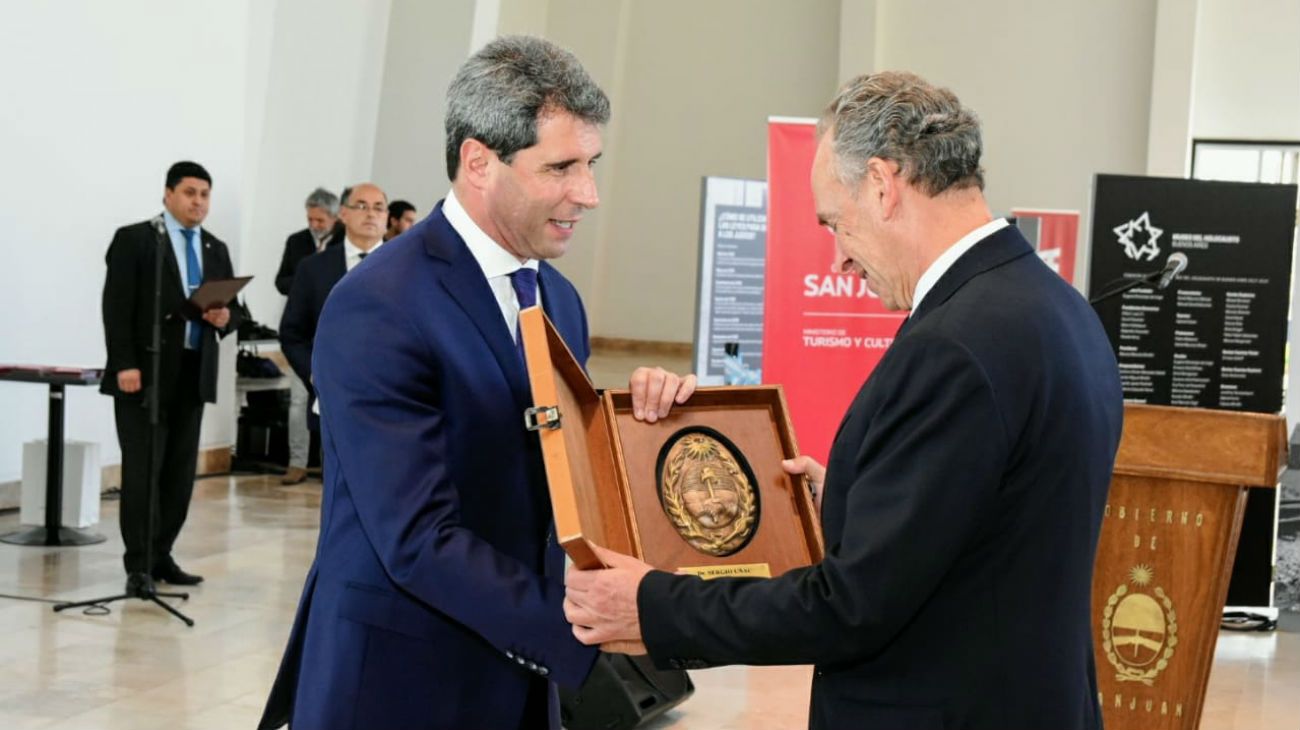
pixel 623 692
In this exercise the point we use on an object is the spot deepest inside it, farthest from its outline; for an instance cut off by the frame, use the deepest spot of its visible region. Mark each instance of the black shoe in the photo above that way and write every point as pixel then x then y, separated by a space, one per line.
pixel 139 585
pixel 173 574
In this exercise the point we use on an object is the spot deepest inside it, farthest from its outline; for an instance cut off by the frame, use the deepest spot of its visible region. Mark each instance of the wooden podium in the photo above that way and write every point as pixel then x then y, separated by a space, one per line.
pixel 1168 539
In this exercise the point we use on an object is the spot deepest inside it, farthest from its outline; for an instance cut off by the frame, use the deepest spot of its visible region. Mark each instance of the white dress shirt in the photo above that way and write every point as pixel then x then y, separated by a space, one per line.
pixel 182 262
pixel 352 252
pixel 497 263
pixel 950 256
pixel 323 240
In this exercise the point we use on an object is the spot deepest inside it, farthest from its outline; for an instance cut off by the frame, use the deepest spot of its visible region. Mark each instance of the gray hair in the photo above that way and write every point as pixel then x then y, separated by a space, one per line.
pixel 322 198
pixel 500 93
pixel 899 116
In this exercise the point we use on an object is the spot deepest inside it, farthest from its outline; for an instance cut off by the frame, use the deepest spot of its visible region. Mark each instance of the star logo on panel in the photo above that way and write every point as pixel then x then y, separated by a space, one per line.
pixel 1138 237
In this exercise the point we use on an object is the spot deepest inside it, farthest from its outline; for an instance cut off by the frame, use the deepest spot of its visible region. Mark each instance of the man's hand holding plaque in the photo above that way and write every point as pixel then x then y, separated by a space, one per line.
pixel 601 604
pixel 813 473
pixel 655 390
pixel 604 593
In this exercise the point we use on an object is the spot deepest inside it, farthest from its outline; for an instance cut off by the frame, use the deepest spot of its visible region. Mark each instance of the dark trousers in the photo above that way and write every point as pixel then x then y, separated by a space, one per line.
pixel 542 707
pixel 180 416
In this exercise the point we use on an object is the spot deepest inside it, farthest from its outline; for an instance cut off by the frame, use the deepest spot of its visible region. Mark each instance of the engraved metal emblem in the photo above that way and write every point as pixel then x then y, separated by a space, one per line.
pixel 707 492
pixel 1139 630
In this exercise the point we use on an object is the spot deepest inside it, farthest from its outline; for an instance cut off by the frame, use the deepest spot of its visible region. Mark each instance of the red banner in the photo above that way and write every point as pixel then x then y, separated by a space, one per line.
pixel 1054 233
pixel 823 333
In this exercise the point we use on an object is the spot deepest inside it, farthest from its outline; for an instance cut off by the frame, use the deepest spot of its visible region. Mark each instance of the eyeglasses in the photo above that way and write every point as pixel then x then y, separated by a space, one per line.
pixel 377 208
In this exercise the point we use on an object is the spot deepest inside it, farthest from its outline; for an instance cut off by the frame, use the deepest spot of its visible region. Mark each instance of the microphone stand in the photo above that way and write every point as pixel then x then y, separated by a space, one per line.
pixel 145 590
pixel 1126 285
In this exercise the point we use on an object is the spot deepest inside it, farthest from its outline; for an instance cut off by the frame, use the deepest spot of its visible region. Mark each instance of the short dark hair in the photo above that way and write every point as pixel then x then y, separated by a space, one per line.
pixel 500 93
pixel 397 209
pixel 184 169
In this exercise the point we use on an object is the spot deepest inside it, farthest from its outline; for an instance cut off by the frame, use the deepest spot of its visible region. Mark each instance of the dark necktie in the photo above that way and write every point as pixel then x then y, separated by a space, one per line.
pixel 362 254
pixel 194 277
pixel 524 280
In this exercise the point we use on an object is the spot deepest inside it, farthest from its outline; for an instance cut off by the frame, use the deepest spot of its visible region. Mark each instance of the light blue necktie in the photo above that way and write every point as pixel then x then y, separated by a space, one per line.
pixel 524 281
pixel 194 277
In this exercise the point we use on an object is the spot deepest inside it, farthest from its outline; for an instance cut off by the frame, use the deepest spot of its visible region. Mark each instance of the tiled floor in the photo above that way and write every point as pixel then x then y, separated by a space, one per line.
pixel 139 669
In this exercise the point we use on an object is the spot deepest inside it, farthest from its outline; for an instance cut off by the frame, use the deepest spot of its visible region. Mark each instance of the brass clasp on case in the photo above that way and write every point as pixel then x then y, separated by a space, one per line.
pixel 539 417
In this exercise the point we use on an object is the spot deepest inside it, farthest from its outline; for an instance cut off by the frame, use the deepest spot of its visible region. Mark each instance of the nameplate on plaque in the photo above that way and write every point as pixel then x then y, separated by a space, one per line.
pixel 739 570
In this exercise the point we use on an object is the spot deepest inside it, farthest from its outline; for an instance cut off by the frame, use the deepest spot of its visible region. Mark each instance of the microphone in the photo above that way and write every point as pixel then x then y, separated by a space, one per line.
pixel 158 227
pixel 1174 265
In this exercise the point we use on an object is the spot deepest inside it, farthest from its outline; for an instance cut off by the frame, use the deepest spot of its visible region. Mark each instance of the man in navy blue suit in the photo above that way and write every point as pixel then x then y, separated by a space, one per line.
pixel 435 600
pixel 964 493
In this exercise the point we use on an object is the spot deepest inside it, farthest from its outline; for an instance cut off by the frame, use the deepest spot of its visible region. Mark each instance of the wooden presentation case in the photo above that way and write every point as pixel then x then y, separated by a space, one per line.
pixel 602 465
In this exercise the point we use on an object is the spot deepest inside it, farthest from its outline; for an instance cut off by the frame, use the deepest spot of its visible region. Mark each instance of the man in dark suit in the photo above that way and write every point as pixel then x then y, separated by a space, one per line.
pixel 401 216
pixel 964 493
pixel 362 217
pixel 434 599
pixel 322 215
pixel 187 377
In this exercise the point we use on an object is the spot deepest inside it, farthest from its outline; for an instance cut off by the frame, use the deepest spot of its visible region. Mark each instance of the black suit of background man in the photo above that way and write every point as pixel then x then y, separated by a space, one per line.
pixel 312 283
pixel 297 248
pixel 360 228
pixel 186 379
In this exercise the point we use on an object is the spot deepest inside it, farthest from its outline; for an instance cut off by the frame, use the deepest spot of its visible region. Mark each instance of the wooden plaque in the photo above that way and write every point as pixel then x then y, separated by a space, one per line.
pixel 701 490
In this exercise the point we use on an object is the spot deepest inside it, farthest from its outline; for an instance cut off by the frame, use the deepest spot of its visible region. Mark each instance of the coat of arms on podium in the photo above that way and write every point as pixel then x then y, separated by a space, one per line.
pixel 1139 629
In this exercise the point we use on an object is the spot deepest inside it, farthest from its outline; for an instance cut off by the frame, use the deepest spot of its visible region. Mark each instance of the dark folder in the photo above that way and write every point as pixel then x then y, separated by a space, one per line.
pixel 214 294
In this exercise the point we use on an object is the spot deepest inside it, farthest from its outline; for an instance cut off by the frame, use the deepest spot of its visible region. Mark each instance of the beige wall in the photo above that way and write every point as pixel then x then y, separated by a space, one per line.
pixel 1168 134
pixel 1247 78
pixel 692 85
pixel 427 42
pixel 1064 92
pixel 317 118
pixel 1063 89
pixel 595 32
pixel 1247 86
pixel 857 37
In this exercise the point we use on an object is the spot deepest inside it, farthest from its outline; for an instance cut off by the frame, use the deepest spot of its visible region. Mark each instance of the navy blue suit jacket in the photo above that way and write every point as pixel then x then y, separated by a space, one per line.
pixel 435 597
pixel 312 283
pixel 963 502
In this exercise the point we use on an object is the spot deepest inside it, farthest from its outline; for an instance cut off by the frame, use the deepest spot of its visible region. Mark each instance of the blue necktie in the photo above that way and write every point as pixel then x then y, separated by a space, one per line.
pixel 524 280
pixel 194 277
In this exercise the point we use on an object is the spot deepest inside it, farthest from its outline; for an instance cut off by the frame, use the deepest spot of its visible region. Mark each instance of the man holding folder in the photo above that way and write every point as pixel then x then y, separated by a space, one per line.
pixel 187 375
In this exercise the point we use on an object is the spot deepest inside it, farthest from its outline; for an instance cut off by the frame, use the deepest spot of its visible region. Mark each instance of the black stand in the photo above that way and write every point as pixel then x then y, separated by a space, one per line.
pixel 52 533
pixel 144 588
pixel 145 591
pixel 1148 279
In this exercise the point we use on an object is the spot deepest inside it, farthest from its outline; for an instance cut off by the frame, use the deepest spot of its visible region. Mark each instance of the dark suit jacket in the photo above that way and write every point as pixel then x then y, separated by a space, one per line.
pixel 962 506
pixel 435 597
pixel 297 247
pixel 128 310
pixel 316 277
